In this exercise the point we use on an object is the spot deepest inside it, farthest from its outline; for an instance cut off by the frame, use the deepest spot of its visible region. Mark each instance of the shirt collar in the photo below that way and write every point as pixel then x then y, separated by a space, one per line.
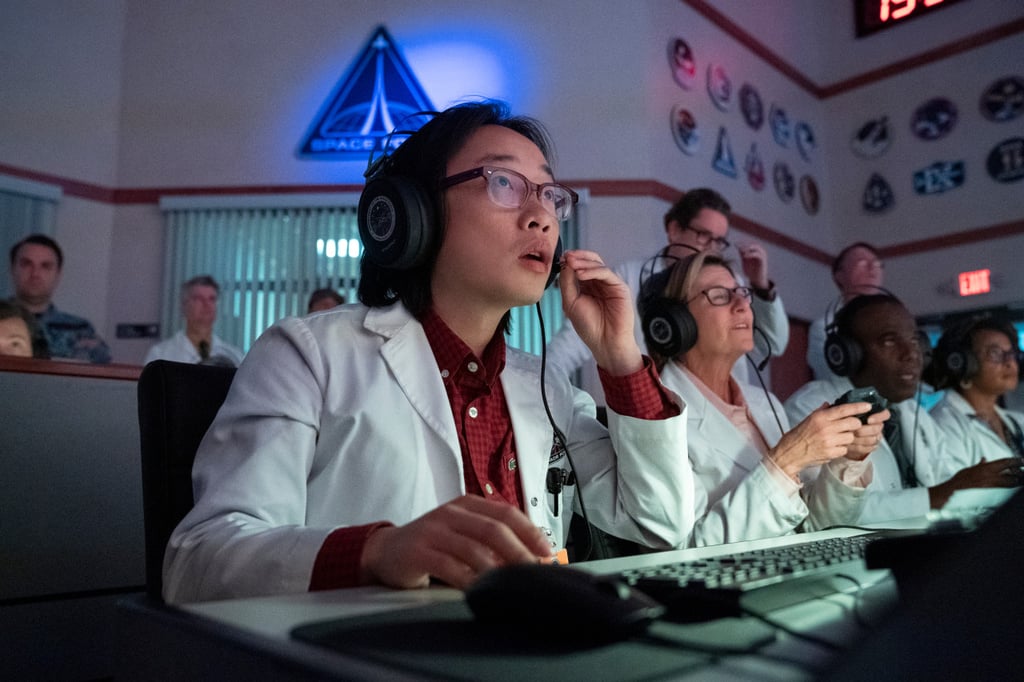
pixel 453 355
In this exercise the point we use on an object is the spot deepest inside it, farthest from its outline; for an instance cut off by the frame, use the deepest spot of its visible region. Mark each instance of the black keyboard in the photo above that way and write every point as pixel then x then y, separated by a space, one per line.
pixel 728 585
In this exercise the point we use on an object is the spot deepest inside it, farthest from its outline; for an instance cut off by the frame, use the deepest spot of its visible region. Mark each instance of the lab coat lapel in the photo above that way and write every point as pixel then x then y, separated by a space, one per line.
pixel 408 355
pixel 533 444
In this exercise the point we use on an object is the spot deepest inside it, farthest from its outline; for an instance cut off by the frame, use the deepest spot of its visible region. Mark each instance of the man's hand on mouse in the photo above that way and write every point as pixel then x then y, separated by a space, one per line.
pixel 454 543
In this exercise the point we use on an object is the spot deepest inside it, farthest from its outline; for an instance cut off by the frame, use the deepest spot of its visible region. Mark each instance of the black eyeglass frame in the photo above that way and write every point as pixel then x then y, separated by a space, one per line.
pixel 744 292
pixel 704 238
pixel 532 187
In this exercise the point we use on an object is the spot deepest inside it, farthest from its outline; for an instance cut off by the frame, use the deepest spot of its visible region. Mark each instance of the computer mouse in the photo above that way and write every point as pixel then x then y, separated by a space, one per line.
pixel 586 606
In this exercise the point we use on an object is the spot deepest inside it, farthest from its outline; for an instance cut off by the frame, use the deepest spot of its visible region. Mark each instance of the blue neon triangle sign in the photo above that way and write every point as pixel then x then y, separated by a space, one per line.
pixel 378 95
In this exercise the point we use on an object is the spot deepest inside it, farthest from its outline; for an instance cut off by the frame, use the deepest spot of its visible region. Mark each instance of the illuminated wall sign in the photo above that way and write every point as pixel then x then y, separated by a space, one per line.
pixel 975 282
pixel 875 15
pixel 377 95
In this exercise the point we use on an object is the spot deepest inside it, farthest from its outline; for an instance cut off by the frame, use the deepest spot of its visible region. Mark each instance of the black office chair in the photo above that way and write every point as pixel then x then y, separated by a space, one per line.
pixel 177 403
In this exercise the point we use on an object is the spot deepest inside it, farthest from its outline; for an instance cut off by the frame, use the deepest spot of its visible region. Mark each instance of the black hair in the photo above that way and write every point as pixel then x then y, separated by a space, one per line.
pixel 690 204
pixel 324 294
pixel 41 240
pixel 423 158
pixel 847 315
pixel 10 309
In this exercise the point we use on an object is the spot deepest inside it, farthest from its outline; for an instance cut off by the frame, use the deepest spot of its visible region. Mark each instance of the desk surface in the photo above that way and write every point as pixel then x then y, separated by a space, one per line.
pixel 259 629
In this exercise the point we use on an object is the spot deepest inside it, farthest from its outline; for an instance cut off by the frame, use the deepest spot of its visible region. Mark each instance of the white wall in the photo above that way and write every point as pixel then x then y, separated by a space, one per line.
pixel 192 94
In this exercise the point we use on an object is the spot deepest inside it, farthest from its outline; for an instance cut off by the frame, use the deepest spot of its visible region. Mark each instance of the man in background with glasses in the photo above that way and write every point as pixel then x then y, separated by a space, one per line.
pixel 697 222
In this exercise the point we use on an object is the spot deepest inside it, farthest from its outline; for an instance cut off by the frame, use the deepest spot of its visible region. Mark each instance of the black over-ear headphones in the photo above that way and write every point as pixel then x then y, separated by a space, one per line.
pixel 843 353
pixel 668 325
pixel 396 219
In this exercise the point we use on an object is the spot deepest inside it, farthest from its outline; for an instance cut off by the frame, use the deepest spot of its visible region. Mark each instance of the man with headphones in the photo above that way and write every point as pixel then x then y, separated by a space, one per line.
pixel 698 221
pixel 856 270
pixel 397 441
pixel 874 341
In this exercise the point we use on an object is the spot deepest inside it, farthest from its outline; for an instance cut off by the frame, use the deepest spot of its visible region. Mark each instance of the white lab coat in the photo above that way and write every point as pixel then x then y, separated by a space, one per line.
pixel 959 420
pixel 737 496
pixel 180 349
pixel 341 419
pixel 567 350
pixel 936 457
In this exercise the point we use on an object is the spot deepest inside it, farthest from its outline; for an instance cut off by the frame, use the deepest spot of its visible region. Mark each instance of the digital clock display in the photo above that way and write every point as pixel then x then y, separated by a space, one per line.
pixel 874 15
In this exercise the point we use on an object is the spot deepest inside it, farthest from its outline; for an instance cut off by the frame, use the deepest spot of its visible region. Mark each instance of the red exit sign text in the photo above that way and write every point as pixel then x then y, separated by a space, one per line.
pixel 975 282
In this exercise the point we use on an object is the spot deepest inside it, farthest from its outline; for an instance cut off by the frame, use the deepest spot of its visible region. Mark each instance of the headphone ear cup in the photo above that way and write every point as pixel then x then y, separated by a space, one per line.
pixel 556 264
pixel 396 222
pixel 961 365
pixel 843 355
pixel 669 328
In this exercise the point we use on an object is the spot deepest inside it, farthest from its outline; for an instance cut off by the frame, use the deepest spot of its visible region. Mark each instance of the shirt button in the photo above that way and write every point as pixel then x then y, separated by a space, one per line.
pixel 444 374
pixel 473 412
pixel 534 502
pixel 512 464
pixel 472 366
pixel 488 488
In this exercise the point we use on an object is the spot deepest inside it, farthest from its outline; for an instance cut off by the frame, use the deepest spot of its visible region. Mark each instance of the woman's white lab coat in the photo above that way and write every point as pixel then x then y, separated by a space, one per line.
pixel 341 419
pixel 958 418
pixel 737 497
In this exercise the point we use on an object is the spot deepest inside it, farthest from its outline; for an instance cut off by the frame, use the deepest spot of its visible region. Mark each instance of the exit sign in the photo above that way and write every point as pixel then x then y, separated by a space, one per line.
pixel 975 282
pixel 875 15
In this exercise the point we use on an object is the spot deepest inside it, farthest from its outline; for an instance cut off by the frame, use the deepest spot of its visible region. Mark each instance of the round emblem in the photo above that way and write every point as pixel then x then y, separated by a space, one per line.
pixel 872 139
pixel 785 185
pixel 934 119
pixel 380 218
pixel 682 63
pixel 684 130
pixel 751 106
pixel 719 87
pixel 1003 100
pixel 779 123
pixel 1005 162
pixel 809 196
pixel 805 142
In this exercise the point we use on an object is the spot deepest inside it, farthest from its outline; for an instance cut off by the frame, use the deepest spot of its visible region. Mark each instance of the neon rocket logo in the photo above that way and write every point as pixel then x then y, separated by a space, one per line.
pixel 378 94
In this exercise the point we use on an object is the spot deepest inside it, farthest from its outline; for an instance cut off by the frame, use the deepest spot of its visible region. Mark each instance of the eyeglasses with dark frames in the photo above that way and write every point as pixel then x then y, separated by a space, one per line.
pixel 704 238
pixel 719 296
pixel 998 356
pixel 510 189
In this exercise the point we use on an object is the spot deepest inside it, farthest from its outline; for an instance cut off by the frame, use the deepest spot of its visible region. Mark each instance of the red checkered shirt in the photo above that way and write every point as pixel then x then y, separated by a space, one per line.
pixel 485 434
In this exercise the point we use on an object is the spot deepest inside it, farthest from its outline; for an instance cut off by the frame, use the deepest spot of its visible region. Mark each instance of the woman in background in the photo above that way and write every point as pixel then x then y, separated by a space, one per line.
pixel 978 362
pixel 16 326
pixel 755 476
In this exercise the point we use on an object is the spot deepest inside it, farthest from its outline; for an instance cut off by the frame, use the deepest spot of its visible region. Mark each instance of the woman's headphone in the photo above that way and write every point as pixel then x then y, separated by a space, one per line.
pixel 668 325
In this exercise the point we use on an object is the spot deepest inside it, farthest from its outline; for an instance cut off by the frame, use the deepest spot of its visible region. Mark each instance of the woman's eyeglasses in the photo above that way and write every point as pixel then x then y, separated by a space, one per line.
pixel 510 189
pixel 719 296
pixel 998 356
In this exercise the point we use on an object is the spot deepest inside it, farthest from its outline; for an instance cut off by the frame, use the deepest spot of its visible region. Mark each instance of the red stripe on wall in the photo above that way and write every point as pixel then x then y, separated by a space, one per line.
pixel 704 8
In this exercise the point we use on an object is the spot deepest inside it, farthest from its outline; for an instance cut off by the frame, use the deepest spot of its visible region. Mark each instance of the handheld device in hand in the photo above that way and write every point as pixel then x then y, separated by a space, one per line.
pixel 868 394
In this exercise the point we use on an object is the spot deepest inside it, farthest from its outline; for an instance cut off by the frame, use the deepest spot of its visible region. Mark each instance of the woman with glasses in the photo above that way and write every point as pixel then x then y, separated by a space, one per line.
pixel 755 477
pixel 978 362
